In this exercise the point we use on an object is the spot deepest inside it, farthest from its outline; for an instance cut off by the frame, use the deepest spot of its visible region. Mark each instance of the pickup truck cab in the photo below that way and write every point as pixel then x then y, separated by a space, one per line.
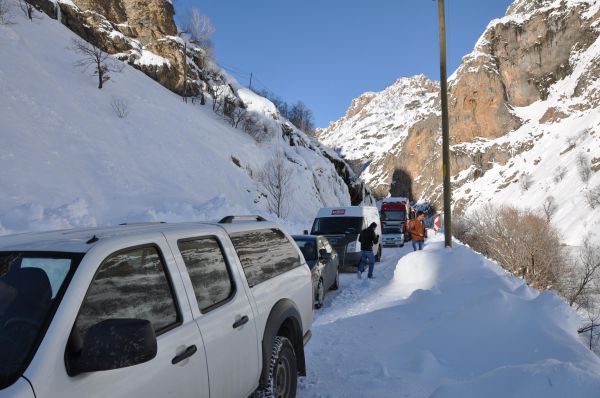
pixel 154 310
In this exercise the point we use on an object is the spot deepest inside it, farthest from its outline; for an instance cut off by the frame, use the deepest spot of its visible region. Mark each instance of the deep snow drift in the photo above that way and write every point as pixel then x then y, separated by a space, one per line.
pixel 446 323
pixel 67 160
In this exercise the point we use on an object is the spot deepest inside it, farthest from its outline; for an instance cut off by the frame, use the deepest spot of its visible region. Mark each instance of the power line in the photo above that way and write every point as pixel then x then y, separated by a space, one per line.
pixel 242 74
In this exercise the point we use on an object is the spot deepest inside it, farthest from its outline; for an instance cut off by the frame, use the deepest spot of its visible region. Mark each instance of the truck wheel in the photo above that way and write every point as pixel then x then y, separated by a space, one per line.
pixel 336 282
pixel 320 294
pixel 283 373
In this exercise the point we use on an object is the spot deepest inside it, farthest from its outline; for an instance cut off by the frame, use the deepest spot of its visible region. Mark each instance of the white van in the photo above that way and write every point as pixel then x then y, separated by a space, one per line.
pixel 342 226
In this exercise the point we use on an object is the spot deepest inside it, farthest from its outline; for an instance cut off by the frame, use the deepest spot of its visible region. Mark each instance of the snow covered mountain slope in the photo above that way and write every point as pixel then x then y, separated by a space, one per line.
pixel 524 105
pixel 446 323
pixel 67 160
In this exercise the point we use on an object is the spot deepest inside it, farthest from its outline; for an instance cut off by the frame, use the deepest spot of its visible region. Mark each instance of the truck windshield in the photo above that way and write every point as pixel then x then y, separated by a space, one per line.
pixel 31 284
pixel 337 225
pixel 393 215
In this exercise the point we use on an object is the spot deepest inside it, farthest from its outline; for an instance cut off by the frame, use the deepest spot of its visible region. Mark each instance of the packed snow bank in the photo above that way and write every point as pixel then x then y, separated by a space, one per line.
pixel 446 323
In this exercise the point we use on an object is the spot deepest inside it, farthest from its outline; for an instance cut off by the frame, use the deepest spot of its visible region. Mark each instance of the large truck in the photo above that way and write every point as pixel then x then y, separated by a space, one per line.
pixel 396 211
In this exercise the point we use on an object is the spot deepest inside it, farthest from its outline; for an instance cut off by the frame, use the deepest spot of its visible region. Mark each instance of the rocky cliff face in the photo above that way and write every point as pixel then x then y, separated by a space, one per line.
pixel 141 19
pixel 144 34
pixel 520 60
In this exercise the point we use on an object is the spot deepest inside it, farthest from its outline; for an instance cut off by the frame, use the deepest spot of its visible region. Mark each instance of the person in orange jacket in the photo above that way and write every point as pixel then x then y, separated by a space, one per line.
pixel 417 231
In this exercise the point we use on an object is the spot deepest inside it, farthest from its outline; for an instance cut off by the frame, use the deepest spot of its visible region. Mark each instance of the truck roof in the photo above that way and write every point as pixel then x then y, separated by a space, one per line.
pixel 346 211
pixel 80 240
pixel 395 199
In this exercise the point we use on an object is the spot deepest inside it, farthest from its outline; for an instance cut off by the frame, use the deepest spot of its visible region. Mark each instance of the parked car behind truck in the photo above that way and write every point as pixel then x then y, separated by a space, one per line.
pixel 161 310
pixel 323 262
pixel 342 226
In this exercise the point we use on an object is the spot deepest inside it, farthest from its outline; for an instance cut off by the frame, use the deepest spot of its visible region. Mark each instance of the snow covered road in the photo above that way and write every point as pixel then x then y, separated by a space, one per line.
pixel 445 323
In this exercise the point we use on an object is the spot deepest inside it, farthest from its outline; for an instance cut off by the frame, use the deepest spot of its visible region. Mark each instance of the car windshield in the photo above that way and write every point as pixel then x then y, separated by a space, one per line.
pixel 391 230
pixel 31 285
pixel 393 215
pixel 307 247
pixel 337 225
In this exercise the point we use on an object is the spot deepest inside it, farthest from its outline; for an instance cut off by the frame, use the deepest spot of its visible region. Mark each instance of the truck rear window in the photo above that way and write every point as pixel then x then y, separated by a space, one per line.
pixel 264 254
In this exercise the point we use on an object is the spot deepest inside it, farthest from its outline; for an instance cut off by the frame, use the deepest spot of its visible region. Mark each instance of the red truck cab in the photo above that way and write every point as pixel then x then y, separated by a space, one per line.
pixel 396 211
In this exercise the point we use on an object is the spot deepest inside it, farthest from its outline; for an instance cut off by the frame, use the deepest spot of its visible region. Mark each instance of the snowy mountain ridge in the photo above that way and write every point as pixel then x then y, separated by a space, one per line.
pixel 376 123
pixel 363 132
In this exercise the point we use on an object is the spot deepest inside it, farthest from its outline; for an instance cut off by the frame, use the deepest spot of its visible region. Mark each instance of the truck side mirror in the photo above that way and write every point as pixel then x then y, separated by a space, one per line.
pixel 305 232
pixel 324 255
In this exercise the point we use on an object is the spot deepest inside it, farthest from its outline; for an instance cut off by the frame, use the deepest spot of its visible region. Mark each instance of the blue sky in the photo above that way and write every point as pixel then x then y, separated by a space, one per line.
pixel 328 52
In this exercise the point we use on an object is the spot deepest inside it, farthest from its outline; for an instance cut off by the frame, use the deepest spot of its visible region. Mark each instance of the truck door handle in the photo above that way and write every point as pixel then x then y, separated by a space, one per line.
pixel 242 321
pixel 191 350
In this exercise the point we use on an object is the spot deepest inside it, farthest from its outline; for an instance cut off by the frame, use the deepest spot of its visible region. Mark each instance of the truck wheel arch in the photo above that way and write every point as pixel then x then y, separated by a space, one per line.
pixel 284 320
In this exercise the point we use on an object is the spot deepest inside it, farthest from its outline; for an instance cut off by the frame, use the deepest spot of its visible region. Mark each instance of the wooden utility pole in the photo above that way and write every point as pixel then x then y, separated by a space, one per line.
pixel 185 72
pixel 445 127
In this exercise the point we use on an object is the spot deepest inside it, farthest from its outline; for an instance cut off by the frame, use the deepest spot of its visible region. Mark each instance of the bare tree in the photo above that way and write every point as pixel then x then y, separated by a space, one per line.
pixel 93 56
pixel 549 207
pixel 237 116
pixel 229 106
pixel 200 28
pixel 584 167
pixel 5 17
pixel 593 316
pixel 520 241
pixel 276 179
pixel 120 107
pixel 218 95
pixel 559 173
pixel 301 117
pixel 526 181
pixel 592 196
pixel 585 274
pixel 280 104
pixel 27 8
pixel 253 125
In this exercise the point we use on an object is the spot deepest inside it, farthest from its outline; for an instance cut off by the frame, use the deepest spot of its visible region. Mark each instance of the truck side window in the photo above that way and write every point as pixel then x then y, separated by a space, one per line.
pixel 130 284
pixel 208 271
pixel 264 254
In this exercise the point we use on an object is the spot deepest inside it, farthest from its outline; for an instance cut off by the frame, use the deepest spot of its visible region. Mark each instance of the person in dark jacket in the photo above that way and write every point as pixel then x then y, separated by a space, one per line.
pixel 367 239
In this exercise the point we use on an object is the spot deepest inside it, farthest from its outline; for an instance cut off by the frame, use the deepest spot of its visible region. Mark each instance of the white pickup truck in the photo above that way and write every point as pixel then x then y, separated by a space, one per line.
pixel 154 310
